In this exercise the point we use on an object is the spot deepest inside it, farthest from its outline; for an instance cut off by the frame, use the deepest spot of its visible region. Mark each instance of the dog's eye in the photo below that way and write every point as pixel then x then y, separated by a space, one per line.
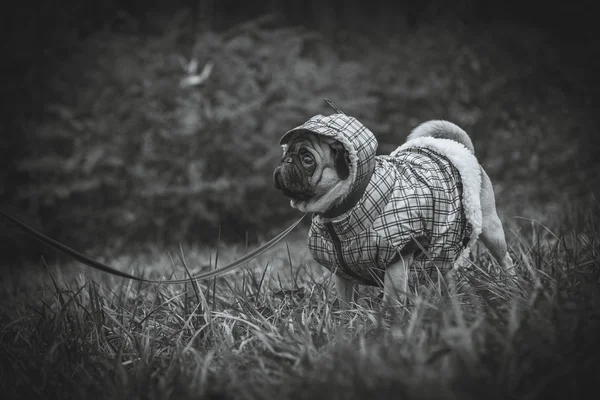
pixel 307 159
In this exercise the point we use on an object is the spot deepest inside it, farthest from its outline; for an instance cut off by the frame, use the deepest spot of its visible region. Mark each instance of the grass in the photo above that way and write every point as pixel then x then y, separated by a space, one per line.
pixel 272 330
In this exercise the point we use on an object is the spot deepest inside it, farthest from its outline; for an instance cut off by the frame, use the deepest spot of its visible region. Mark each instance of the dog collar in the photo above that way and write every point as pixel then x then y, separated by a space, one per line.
pixel 351 200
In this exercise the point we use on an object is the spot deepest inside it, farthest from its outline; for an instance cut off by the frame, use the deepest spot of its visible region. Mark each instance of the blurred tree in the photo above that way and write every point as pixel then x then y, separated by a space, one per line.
pixel 122 135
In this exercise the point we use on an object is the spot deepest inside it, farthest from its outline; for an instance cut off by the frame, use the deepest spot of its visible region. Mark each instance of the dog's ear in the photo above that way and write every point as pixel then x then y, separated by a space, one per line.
pixel 341 160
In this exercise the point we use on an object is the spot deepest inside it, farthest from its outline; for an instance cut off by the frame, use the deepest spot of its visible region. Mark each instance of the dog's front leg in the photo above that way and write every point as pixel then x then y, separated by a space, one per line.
pixel 395 284
pixel 346 292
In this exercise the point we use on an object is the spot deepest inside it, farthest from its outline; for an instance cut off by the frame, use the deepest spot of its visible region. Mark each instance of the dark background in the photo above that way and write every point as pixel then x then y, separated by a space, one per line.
pixel 43 38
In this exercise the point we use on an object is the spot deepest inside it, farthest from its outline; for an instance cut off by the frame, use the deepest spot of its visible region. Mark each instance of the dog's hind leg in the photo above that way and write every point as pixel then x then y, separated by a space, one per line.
pixel 395 284
pixel 492 232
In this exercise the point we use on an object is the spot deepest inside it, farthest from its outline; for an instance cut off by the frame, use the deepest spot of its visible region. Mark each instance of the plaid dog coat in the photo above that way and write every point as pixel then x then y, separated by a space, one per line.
pixel 413 195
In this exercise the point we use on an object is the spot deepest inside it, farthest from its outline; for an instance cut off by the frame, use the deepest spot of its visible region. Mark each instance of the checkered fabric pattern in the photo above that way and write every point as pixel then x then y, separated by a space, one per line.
pixel 415 194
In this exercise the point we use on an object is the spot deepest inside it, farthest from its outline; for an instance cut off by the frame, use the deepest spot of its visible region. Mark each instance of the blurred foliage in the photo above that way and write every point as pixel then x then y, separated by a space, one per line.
pixel 165 134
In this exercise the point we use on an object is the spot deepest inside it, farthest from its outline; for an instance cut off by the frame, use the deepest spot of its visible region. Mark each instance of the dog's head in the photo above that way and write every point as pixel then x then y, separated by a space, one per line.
pixel 323 161
pixel 314 171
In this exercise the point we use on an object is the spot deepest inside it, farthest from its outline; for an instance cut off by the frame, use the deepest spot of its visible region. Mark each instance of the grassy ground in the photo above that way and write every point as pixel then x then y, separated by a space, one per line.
pixel 272 330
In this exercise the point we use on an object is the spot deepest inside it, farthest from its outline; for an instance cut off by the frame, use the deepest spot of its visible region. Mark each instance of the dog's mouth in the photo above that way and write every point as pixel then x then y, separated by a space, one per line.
pixel 291 188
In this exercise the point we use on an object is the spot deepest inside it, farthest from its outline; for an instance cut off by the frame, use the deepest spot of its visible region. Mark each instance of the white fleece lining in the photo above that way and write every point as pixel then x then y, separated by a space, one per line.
pixel 470 173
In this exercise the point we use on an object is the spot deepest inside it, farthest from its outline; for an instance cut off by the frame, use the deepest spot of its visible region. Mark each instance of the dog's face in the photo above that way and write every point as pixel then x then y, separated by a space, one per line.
pixel 313 172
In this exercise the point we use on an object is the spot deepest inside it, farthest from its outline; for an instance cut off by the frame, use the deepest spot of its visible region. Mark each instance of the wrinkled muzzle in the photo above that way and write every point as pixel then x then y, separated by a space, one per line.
pixel 291 178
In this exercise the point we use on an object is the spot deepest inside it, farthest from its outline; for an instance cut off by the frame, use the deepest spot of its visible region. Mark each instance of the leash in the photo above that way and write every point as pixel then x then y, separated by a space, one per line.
pixel 110 270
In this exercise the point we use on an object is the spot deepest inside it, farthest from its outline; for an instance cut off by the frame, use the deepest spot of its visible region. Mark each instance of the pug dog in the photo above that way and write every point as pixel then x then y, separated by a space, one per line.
pixel 381 220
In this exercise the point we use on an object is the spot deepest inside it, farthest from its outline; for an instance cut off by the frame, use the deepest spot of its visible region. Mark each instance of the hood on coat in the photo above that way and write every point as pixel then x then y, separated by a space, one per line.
pixel 356 138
